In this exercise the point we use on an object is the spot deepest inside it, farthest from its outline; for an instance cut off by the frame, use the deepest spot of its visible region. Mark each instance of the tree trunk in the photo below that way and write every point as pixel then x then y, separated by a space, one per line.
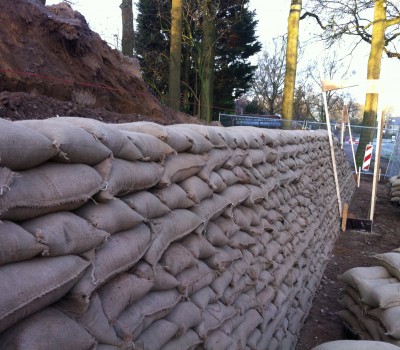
pixel 374 72
pixel 207 61
pixel 128 34
pixel 291 62
pixel 175 50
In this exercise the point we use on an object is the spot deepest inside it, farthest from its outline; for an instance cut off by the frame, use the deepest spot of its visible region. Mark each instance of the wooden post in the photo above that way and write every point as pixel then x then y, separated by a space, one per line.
pixel 335 174
pixel 344 216
pixel 359 177
pixel 377 163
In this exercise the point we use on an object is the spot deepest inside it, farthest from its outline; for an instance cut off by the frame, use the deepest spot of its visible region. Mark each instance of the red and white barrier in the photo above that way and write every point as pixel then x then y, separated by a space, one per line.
pixel 367 157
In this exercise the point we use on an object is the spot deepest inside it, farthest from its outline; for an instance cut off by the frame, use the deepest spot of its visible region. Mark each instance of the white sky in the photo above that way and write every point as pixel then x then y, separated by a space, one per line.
pixel 104 17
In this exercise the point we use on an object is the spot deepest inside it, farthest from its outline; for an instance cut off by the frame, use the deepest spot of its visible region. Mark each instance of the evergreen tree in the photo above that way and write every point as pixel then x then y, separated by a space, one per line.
pixel 234 42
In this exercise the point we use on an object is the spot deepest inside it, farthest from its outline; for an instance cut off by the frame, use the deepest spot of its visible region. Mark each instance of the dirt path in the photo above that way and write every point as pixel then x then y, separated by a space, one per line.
pixel 352 249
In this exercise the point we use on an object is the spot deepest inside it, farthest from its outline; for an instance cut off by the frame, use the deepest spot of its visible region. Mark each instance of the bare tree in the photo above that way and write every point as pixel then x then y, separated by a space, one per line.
pixel 269 77
pixel 174 78
pixel 291 61
pixel 128 35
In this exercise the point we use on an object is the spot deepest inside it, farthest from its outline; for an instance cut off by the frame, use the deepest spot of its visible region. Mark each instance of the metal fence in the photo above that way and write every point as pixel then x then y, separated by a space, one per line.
pixel 390 153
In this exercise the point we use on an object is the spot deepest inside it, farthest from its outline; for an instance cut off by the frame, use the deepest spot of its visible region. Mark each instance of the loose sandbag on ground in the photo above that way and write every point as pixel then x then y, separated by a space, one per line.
pixel 146 204
pixel 151 147
pixel 48 329
pixel 118 254
pixel 51 187
pixel 16 244
pixel 121 291
pixel 107 134
pixel 23 148
pixel 75 144
pixel 111 216
pixel 372 272
pixel 391 261
pixel 355 345
pixel 169 228
pixel 65 233
pixel 123 177
pixel 39 282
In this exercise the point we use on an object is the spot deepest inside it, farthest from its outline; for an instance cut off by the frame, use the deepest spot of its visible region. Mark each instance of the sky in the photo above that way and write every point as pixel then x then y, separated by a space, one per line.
pixel 104 17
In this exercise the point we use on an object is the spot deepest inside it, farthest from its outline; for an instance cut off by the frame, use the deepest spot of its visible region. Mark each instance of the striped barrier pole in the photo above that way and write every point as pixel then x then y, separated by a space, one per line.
pixel 367 158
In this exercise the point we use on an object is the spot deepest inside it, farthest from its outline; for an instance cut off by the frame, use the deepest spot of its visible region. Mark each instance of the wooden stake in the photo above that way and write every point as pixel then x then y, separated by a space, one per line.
pixel 359 177
pixel 344 216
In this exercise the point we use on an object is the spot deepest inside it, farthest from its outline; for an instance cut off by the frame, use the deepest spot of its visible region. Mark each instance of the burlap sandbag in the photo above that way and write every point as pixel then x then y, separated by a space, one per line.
pixel 177 258
pixel 209 209
pixel 75 144
pixel 118 254
pixel 216 158
pixel 65 233
pixel 169 228
pixel 154 303
pixel 213 317
pixel 252 319
pixel 189 340
pixel 389 318
pixel 123 177
pixel 47 329
pixel 200 144
pixel 185 315
pixel 121 291
pixel 218 340
pixel 161 279
pixel 16 244
pixel 196 189
pixel 6 179
pixel 151 147
pixel 107 134
pixel 48 188
pixel 211 133
pixel 111 216
pixel 165 331
pixel 203 297
pixel 195 278
pixel 23 148
pixel 391 261
pixel 179 167
pixel 215 235
pixel 174 197
pixel 146 204
pixel 355 345
pixel 198 246
pixel 39 282
pixel 95 322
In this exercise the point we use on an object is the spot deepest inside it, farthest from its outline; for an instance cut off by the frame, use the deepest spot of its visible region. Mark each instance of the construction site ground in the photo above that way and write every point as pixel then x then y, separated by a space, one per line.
pixel 352 249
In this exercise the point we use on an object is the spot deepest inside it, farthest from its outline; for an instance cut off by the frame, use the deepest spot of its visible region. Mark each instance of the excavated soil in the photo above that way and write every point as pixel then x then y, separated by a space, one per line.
pixel 352 249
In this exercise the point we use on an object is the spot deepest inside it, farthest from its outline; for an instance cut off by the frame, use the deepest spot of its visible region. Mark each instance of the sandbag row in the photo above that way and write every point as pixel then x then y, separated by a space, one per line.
pixel 371 299
pixel 394 189
pixel 200 235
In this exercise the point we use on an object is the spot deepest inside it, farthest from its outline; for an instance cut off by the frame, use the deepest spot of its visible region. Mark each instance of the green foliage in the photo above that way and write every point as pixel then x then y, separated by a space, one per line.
pixel 235 43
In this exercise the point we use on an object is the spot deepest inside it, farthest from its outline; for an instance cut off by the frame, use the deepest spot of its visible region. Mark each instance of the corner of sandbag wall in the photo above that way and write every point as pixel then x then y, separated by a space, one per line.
pixel 211 236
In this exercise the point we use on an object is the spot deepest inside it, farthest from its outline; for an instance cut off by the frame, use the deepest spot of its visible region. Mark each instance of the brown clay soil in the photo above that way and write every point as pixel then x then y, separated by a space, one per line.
pixel 352 249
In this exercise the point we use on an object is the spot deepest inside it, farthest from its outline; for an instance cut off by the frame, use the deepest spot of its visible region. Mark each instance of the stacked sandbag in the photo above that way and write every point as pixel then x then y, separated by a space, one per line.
pixel 149 236
pixel 394 189
pixel 371 299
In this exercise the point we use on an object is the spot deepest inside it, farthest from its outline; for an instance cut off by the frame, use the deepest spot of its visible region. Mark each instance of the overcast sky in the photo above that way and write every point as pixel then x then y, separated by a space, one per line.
pixel 104 17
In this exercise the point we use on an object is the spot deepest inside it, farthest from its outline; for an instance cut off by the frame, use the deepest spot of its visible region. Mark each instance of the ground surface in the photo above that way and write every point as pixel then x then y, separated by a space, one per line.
pixel 352 249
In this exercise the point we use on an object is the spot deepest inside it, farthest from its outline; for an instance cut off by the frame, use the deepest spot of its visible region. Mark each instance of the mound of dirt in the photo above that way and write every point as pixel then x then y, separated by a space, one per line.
pixel 51 63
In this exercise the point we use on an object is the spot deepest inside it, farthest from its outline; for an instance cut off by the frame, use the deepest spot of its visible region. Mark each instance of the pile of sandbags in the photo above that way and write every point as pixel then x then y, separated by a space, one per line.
pixel 149 236
pixel 371 299
pixel 394 189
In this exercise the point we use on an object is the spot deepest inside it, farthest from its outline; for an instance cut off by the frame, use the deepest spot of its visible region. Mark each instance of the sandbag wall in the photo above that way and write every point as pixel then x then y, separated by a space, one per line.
pixel 394 189
pixel 149 236
pixel 371 299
